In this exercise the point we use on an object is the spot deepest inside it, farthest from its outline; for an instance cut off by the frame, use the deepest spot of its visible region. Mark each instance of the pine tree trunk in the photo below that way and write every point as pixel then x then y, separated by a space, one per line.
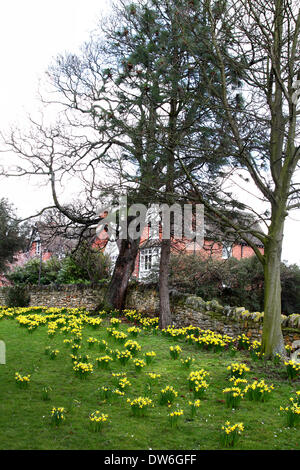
pixel 116 293
pixel 164 298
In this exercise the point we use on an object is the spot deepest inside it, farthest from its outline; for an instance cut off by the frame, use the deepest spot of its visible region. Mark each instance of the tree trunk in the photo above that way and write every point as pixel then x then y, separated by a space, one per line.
pixel 272 338
pixel 116 293
pixel 164 298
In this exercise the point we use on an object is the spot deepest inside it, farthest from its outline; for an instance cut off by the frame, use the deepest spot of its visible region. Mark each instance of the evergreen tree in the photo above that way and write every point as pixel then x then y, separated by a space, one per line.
pixel 12 236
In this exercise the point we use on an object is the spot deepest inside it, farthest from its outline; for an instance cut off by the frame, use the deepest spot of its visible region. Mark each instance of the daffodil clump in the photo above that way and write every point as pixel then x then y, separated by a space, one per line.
pixel 22 380
pixel 187 362
pixel 258 391
pixel 174 333
pixel 30 323
pixel 75 348
pixel 292 369
pixel 255 350
pixel 175 351
pixel 288 348
pixel 98 420
pixel 140 405
pixel 197 375
pixel 167 395
pixel 133 346
pixel 292 413
pixel 118 392
pixel 194 405
pixel 94 322
pixel 83 369
pixel 200 387
pixel 133 331
pixel 233 396
pixel 65 330
pixel 119 336
pixel 124 383
pixel 52 328
pixel 149 324
pixel 238 370
pixel 198 383
pixel 243 341
pixel 124 356
pixel 231 433
pixel 149 357
pixel 104 361
pixel 79 358
pixel 92 341
pixel 117 376
pixel 57 415
pixel 115 322
pixel 139 364
pixel 208 340
pixel 145 322
pixel 105 393
pixel 174 417
pixel 77 335
pixel 211 341
pixel 152 378
pixel 236 382
pixel 53 353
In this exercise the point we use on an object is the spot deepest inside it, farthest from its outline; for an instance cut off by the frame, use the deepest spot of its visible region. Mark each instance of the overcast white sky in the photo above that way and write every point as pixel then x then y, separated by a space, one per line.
pixel 32 32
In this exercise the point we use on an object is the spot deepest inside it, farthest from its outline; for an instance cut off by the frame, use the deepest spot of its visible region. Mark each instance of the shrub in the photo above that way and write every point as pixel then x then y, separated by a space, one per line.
pixel 16 296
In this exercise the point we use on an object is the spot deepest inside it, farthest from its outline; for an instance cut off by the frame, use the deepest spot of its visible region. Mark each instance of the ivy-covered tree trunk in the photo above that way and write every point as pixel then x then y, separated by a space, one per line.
pixel 116 293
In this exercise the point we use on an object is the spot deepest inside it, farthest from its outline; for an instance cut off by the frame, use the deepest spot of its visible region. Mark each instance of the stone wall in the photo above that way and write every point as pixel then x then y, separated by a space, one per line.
pixel 186 309
pixel 60 296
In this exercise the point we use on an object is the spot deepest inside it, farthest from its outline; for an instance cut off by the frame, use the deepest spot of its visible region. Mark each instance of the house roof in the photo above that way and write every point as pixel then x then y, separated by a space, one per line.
pixel 51 240
pixel 213 231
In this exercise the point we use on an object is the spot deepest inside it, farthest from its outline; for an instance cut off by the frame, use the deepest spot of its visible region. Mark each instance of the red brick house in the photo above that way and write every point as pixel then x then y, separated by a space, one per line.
pixel 147 260
pixel 41 245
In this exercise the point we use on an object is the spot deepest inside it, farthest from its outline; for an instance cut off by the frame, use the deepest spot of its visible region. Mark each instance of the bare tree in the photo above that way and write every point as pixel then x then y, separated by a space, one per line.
pixel 262 124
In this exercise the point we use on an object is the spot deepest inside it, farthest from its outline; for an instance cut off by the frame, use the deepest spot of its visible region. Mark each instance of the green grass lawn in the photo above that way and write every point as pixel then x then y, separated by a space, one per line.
pixel 25 418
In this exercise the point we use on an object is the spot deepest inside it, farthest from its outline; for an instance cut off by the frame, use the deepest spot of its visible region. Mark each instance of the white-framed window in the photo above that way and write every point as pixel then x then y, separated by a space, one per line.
pixel 226 251
pixel 146 259
pixel 149 262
